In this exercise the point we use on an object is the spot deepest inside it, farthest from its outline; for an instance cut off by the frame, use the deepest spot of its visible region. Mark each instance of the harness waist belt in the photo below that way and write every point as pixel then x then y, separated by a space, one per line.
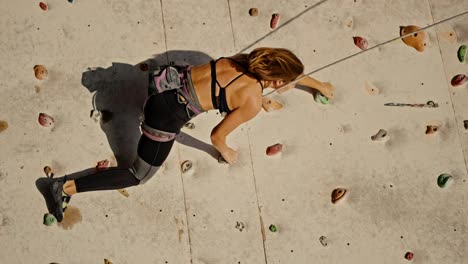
pixel 157 135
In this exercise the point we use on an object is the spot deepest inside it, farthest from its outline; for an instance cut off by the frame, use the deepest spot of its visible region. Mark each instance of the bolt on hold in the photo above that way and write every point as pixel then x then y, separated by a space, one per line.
pixel 274 20
pixel 45 120
pixel 189 125
pixel 253 11
pixel 444 179
pixel 274 149
pixel 461 53
pixel 324 241
pixel 48 172
pixel 240 226
pixel 381 135
pixel 431 129
pixel 337 194
pixel 409 256
pixel 273 228
pixel 186 166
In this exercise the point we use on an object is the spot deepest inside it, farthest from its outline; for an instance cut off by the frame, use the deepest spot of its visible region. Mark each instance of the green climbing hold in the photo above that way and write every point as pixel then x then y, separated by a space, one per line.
pixel 49 219
pixel 320 98
pixel 273 228
pixel 444 179
pixel 461 53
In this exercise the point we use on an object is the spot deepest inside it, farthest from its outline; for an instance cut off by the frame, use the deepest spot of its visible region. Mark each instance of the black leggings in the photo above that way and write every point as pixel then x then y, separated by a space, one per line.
pixel 163 112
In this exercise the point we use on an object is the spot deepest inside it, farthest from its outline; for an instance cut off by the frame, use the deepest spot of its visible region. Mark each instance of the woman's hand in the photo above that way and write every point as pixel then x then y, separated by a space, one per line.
pixel 327 90
pixel 229 155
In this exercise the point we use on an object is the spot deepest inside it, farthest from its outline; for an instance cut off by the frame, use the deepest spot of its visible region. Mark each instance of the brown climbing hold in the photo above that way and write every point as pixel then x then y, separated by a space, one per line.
pixel 274 20
pixel 3 125
pixel 361 42
pixel 271 105
pixel 274 149
pixel 45 120
pixel 465 124
pixel 106 261
pixel 40 71
pixel 409 256
pixel 48 171
pixel 253 12
pixel 416 40
pixel 144 67
pixel 43 6
pixel 431 129
pixel 371 89
pixel 338 194
pixel 103 164
pixel 459 79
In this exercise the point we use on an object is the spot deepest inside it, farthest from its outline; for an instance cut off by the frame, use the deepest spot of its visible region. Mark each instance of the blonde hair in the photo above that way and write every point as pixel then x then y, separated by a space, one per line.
pixel 273 64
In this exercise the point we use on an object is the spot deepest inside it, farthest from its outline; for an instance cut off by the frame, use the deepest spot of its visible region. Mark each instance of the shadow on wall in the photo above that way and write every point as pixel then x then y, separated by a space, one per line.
pixel 121 91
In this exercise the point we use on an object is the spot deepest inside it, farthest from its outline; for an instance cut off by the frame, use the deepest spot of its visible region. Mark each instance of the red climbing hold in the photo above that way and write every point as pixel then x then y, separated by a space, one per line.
pixel 43 6
pixel 409 256
pixel 274 149
pixel 361 42
pixel 45 120
pixel 103 164
pixel 274 20
pixel 459 79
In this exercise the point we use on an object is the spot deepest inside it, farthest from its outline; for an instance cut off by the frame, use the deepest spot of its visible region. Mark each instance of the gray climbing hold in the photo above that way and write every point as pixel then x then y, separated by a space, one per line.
pixel 381 135
pixel 324 241
pixel 186 166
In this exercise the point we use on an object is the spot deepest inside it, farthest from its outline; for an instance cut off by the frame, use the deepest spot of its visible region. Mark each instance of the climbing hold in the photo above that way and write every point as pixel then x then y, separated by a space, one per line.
pixel 431 129
pixel 95 115
pixel 274 149
pixel 253 12
pixel 320 98
pixel 123 192
pixel 361 42
pixel 106 261
pixel 43 6
pixel 40 71
pixel 271 105
pixel 444 179
pixel 3 125
pixel 273 228
pixel 371 89
pixel 274 20
pixel 429 104
pixel 461 53
pixel 240 226
pixel 186 166
pixel 71 1
pixel 381 134
pixel 48 172
pixel 449 36
pixel 465 124
pixel 459 79
pixel 338 194
pixel 409 256
pixel 416 40
pixel 103 164
pixel 144 67
pixel 49 219
pixel 324 241
pixel 45 120
pixel 189 125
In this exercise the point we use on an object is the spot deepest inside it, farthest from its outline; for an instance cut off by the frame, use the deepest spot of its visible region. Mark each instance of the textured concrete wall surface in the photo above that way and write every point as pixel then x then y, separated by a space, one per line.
pixel 263 209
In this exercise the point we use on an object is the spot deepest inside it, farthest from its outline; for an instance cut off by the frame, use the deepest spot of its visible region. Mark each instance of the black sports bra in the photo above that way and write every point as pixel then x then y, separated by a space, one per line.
pixel 220 102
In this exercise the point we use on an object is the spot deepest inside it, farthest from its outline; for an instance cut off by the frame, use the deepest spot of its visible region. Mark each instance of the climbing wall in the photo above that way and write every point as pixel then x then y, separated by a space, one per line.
pixel 264 209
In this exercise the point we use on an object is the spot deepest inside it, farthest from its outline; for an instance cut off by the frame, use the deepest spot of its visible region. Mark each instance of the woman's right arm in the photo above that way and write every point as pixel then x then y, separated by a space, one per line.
pixel 240 115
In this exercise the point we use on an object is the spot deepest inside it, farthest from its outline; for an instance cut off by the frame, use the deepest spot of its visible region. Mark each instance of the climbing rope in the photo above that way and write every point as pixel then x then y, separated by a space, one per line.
pixel 352 55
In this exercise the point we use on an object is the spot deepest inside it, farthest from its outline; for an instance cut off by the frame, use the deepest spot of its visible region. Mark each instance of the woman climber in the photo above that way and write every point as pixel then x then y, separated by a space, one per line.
pixel 233 85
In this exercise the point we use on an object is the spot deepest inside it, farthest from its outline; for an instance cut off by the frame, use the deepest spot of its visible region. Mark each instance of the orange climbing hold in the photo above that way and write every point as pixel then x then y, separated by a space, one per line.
pixel 459 79
pixel 361 42
pixel 41 72
pixel 416 40
pixel 274 149
pixel 338 194
pixel 3 125
pixel 274 20
pixel 46 120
